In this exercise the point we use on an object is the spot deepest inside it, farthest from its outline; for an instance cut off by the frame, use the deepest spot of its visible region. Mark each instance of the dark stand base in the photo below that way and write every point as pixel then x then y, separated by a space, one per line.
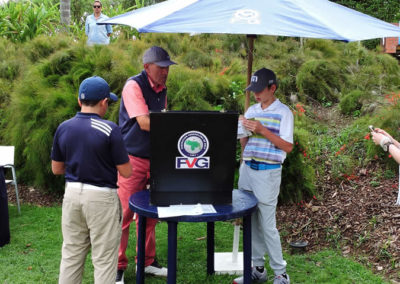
pixel 4 219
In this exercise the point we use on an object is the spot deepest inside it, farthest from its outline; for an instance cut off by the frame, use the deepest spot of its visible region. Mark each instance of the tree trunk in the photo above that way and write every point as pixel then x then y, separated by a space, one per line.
pixel 65 12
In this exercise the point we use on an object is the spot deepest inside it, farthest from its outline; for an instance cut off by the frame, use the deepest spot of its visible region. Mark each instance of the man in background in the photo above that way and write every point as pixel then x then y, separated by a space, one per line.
pixel 97 34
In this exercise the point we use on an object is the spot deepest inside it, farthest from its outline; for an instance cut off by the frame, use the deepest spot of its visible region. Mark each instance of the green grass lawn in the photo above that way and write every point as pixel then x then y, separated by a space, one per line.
pixel 33 256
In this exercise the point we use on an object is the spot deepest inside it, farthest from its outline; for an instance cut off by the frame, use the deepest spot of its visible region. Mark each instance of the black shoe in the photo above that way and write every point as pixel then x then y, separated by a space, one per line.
pixel 120 277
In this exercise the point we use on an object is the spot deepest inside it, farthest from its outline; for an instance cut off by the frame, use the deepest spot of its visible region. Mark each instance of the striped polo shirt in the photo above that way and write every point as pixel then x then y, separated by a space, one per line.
pixel 278 118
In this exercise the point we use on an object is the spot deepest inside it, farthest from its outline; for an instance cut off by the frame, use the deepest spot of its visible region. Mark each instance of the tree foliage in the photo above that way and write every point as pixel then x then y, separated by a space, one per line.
pixel 386 10
pixel 21 21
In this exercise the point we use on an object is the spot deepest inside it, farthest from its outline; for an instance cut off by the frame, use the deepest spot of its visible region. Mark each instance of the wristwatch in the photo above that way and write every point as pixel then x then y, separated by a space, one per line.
pixel 386 146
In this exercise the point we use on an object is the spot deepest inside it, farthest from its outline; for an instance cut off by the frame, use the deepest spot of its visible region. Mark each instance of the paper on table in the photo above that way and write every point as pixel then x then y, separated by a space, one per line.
pixel 182 210
pixel 242 131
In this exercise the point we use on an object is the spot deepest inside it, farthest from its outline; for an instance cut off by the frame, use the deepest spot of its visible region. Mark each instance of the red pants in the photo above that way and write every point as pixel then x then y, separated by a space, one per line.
pixel 127 187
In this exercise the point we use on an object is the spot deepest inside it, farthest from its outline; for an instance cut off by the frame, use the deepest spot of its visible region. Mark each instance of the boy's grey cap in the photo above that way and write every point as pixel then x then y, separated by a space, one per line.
pixel 261 79
pixel 95 89
pixel 158 56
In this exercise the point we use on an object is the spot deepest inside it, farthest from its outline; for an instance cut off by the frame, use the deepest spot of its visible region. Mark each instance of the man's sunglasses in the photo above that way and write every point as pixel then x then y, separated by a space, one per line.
pixel 95 6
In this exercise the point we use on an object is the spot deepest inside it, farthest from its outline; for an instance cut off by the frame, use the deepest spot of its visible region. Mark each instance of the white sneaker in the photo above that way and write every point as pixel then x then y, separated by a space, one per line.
pixel 155 269
pixel 256 277
pixel 120 277
pixel 282 279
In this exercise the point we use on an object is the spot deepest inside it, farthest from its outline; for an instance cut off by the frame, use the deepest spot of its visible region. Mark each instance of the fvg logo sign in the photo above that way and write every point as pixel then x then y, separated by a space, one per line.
pixel 193 145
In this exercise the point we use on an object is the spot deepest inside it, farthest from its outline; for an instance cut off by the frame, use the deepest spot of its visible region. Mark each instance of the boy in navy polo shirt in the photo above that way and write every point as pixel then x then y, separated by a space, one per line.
pixel 89 151
pixel 271 123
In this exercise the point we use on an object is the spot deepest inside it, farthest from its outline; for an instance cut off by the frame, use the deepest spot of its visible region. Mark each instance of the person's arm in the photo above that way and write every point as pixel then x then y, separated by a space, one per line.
pixel 394 141
pixel 125 170
pixel 243 142
pixel 87 26
pixel 395 152
pixel 109 30
pixel 255 126
pixel 381 137
pixel 135 104
pixel 58 168
pixel 144 122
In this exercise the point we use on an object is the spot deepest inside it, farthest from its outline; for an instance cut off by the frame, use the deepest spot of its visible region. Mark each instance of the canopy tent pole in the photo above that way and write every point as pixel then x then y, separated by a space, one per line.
pixel 249 68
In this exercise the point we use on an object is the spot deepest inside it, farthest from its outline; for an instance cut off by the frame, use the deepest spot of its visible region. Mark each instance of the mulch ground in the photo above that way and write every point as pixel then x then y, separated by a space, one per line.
pixel 354 216
pixel 357 216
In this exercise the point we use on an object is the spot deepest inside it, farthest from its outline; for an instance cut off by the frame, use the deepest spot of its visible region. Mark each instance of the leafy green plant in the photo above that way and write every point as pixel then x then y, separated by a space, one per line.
pixel 190 97
pixel 324 46
pixel 320 80
pixel 363 238
pixel 334 236
pixel 384 252
pixel 388 174
pixel 47 97
pixel 351 102
pixel 298 174
pixel 23 20
pixel 195 58
pixel 286 72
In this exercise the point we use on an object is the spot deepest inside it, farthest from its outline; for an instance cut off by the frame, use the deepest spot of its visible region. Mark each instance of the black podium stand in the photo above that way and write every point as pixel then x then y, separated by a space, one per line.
pixel 4 221
pixel 193 157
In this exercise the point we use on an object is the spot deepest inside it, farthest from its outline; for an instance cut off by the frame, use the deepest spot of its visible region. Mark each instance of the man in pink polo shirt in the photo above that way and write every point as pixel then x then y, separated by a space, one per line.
pixel 141 94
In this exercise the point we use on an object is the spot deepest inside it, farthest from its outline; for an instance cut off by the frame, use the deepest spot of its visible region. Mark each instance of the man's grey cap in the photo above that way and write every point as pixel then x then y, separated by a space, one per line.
pixel 261 79
pixel 158 56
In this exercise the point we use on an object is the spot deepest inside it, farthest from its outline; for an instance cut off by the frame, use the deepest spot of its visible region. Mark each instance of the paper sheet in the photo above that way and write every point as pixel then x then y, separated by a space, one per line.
pixel 242 131
pixel 187 209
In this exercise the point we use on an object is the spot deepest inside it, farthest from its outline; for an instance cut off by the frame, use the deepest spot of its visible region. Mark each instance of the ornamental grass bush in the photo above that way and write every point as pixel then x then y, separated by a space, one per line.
pixel 39 82
pixel 47 95
pixel 298 173
pixel 370 72
pixel 328 49
pixel 195 58
pixel 320 80
pixel 190 97
pixel 351 102
pixel 42 46
pixel 286 72
pixel 11 65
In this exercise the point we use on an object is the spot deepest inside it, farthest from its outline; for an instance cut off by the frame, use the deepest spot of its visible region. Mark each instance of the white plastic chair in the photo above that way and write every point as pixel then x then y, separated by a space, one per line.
pixel 7 161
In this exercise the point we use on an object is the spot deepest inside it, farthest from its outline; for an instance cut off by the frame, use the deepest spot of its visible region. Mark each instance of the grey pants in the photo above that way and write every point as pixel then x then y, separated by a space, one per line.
pixel 265 184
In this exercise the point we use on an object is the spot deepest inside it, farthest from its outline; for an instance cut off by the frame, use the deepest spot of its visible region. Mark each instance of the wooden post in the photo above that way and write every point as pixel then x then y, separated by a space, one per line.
pixel 249 68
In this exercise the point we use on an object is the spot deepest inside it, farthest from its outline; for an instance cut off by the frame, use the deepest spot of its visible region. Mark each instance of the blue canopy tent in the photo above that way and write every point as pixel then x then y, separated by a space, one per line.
pixel 293 18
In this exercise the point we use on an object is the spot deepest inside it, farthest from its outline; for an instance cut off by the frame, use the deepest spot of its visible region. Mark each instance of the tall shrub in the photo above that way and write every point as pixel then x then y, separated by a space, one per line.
pixel 351 102
pixel 47 95
pixel 320 80
pixel 298 174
